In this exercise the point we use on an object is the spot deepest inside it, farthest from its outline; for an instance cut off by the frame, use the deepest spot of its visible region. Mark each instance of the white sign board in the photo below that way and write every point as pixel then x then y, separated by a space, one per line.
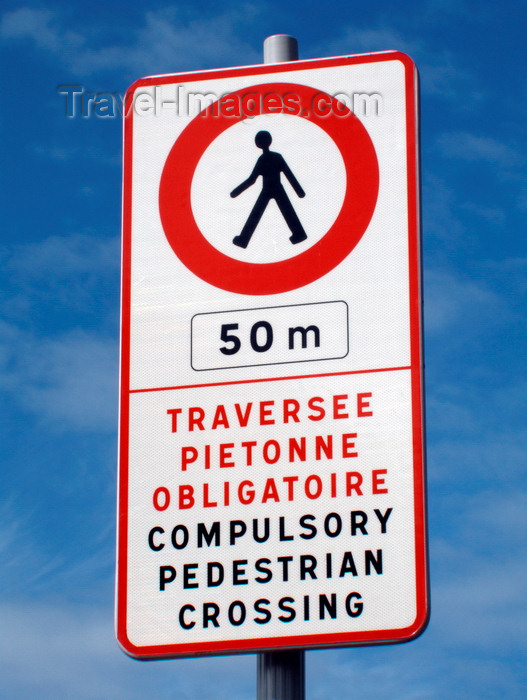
pixel 271 484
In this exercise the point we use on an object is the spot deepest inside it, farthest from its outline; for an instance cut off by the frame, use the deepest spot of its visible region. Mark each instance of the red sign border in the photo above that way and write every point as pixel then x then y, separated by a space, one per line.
pixel 318 641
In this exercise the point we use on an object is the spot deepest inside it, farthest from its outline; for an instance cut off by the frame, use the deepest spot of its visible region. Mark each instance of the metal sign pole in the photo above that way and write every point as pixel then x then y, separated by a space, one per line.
pixel 281 674
pixel 279 48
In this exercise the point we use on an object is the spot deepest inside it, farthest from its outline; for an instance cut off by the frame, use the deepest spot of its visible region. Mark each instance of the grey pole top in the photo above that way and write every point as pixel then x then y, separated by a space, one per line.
pixel 279 48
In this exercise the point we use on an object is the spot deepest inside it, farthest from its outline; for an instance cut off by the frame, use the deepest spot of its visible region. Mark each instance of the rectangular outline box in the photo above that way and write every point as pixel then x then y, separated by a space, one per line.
pixel 266 308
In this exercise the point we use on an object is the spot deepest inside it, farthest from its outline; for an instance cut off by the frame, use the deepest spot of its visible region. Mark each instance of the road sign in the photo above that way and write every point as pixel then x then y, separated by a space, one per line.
pixel 271 482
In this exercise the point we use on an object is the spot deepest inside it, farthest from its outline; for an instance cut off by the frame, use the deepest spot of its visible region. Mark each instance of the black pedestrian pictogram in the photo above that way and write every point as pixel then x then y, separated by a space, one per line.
pixel 269 165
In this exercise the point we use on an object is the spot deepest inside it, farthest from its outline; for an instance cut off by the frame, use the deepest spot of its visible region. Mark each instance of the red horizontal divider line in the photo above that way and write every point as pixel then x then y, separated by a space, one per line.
pixel 269 379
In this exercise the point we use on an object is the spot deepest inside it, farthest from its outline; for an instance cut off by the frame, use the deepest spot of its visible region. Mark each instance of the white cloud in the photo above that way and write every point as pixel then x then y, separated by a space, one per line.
pixel 511 274
pixel 58 153
pixel 442 76
pixel 42 27
pixel 380 39
pixel 57 650
pixel 53 564
pixel 16 547
pixel 471 459
pixel 61 274
pixel 483 596
pixel 477 148
pixel 167 41
pixel 63 256
pixel 492 215
pixel 440 72
pixel 451 299
pixel 441 212
pixel 68 381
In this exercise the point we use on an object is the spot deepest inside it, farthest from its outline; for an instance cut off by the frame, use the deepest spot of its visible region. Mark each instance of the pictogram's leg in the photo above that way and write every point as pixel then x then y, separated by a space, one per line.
pixel 252 222
pixel 291 218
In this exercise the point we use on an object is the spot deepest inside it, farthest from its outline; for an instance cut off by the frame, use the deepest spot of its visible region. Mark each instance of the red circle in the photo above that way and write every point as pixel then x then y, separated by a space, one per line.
pixel 220 270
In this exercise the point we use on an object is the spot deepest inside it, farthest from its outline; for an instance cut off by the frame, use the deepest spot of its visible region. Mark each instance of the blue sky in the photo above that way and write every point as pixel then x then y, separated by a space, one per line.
pixel 61 202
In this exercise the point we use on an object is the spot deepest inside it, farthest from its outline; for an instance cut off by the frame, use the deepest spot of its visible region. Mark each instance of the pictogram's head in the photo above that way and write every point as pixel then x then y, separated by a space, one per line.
pixel 263 139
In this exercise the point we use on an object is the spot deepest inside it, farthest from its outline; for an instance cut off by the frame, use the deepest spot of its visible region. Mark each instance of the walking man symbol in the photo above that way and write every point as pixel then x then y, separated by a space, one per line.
pixel 269 165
